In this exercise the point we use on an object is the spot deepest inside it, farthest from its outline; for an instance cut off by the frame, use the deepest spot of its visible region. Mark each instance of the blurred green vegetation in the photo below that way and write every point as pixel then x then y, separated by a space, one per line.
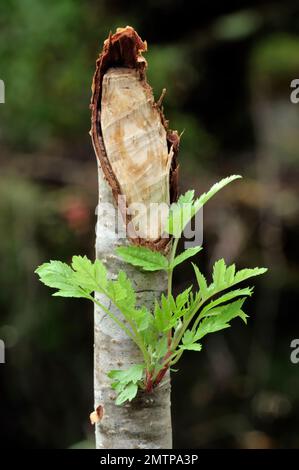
pixel 220 70
pixel 277 56
pixel 47 58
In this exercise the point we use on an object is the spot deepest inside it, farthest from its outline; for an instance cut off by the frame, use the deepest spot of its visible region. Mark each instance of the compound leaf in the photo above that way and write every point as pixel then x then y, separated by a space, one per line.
pixel 143 257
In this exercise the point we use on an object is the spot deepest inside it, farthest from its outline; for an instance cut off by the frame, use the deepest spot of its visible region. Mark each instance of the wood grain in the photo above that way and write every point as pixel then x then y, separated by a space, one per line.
pixel 136 146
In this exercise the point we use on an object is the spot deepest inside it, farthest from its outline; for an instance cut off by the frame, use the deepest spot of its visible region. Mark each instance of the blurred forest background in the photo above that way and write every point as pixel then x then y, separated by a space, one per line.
pixel 227 68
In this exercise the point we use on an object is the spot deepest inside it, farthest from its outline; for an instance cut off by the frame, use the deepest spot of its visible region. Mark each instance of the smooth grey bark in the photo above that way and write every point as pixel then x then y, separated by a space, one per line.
pixel 145 423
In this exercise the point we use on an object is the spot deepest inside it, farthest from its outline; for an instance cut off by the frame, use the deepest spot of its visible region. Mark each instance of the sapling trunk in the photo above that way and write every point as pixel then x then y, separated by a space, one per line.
pixel 136 155
pixel 141 329
pixel 145 422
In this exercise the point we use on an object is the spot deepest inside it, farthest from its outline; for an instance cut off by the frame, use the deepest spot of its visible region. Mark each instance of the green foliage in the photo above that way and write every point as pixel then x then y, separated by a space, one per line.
pixel 150 260
pixel 275 57
pixel 185 255
pixel 143 257
pixel 176 323
pixel 189 341
pixel 89 275
pixel 219 318
pixel 237 25
pixel 186 207
pixel 125 382
pixel 52 67
pixel 78 280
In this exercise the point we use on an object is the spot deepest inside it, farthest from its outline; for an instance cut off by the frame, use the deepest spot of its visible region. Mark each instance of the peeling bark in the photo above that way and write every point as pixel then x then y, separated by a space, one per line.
pixel 123 50
pixel 136 145
pixel 121 101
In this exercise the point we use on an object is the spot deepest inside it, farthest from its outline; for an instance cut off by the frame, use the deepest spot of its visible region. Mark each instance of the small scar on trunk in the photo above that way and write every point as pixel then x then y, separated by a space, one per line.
pixel 97 415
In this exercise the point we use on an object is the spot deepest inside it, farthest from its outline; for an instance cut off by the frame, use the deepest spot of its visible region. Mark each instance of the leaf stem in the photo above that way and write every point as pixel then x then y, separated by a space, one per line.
pixel 138 337
pixel 171 259
pixel 178 357
pixel 186 324
pixel 193 312
pixel 166 361
pixel 135 338
pixel 169 282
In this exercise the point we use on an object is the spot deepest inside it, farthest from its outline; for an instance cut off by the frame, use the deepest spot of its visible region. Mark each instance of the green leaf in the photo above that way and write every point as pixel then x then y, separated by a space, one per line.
pixel 192 347
pixel 180 213
pixel 143 257
pixel 247 291
pixel 60 276
pixel 75 292
pixel 162 314
pixel 188 337
pixel 142 318
pixel 55 274
pixel 81 281
pixel 125 285
pixel 178 329
pixel 230 274
pixel 167 314
pixel 158 317
pixel 126 382
pixel 127 394
pixel 223 315
pixel 244 274
pixel 186 198
pixel 185 255
pixel 92 276
pixel 189 341
pixel 219 271
pixel 225 276
pixel 160 348
pixel 209 325
pixel 243 316
pixel 182 298
pixel 232 310
pixel 202 283
pixel 118 387
pixel 182 306
pixel 150 335
pixel 185 208
pixel 121 292
pixel 213 190
pixel 133 374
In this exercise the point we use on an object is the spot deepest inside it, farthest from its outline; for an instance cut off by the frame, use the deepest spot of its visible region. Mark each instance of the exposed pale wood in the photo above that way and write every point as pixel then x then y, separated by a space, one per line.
pixel 124 50
pixel 136 146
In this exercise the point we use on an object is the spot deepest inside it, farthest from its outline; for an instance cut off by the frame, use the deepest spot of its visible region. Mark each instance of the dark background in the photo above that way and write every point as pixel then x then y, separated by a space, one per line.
pixel 227 68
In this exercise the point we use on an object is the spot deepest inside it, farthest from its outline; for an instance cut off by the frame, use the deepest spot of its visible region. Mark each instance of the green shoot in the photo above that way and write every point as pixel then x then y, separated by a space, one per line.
pixel 174 324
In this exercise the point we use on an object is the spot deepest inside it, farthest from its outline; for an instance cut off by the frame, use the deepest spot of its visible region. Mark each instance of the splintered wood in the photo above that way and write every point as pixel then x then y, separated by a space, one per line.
pixel 136 151
pixel 136 146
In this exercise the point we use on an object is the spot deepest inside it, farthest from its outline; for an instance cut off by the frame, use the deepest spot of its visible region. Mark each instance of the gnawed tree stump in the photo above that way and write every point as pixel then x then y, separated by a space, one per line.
pixel 136 154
